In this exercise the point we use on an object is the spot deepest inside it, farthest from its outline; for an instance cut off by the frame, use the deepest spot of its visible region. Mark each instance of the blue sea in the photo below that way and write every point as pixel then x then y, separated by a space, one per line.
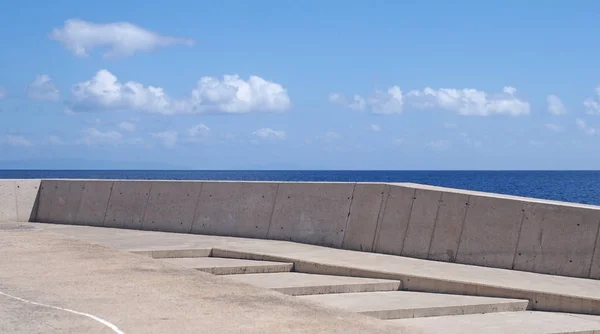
pixel 569 186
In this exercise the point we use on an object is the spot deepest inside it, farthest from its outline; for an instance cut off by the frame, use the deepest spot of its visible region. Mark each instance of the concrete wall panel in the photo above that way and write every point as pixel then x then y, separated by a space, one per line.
pixel 595 268
pixel 394 222
pixel 59 201
pixel 27 199
pixel 448 227
pixel 240 209
pixel 47 199
pixel 364 215
pixel 171 206
pixel 313 213
pixel 8 200
pixel 490 232
pixel 557 240
pixel 421 223
pixel 127 204
pixel 93 202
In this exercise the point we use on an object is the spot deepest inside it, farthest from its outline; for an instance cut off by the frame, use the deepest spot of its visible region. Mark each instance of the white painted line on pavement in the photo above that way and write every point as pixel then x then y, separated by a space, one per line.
pixel 100 320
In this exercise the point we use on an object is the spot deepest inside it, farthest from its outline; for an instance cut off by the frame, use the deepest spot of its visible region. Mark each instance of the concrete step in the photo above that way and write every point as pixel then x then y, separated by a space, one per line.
pixel 502 322
pixel 298 284
pixel 408 304
pixel 222 266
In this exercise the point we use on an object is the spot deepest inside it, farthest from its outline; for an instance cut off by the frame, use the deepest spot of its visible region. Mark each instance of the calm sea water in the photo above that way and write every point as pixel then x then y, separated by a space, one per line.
pixel 570 186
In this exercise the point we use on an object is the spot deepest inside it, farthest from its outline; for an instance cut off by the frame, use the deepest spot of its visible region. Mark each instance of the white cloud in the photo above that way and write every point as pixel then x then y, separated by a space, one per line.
pixel 375 127
pixel 554 127
pixel 582 125
pixel 127 126
pixel 2 93
pixel 199 130
pixel 168 138
pixel 389 102
pixel 43 88
pixel 92 136
pixel 234 95
pixel 18 141
pixel 439 144
pixel 357 103
pixel 380 102
pixel 555 105
pixel 119 39
pixel 592 106
pixel 268 133
pixel 228 95
pixel 336 98
pixel 510 90
pixel 468 102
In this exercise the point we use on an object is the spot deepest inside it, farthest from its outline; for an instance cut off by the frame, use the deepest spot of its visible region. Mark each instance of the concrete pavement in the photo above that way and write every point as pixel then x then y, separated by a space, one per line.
pixel 138 294
pixel 546 292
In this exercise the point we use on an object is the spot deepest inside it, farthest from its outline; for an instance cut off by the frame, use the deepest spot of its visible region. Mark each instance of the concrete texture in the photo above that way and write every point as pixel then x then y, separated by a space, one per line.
pixel 401 219
pixel 241 209
pixel 8 200
pixel 27 199
pixel 546 292
pixel 220 266
pixel 166 253
pixel 127 204
pixel 59 201
pixel 490 232
pixel 421 223
pixel 93 203
pixel 141 295
pixel 365 211
pixel 313 213
pixel 171 206
pixel 501 323
pixel 394 222
pixel 556 240
pixel 448 227
pixel 299 284
pixel 595 267
pixel 405 304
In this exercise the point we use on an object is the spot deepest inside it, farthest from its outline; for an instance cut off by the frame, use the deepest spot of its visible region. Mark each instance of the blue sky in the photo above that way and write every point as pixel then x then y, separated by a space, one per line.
pixel 300 85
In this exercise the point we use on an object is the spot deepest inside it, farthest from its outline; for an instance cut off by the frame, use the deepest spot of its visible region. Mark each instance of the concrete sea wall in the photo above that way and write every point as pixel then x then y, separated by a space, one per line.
pixel 402 219
pixel 18 199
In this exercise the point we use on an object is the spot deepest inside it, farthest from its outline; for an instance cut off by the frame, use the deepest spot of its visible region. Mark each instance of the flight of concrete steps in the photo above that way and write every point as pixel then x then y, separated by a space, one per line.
pixel 384 299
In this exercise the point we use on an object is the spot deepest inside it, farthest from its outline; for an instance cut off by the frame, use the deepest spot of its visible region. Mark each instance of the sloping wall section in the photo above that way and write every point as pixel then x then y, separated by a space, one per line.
pixel 403 219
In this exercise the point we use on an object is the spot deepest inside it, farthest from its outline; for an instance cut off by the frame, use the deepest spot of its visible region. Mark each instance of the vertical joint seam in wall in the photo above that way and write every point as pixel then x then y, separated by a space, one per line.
pixel 380 214
pixel 462 227
pixel 412 203
pixel 146 206
pixel 594 250
pixel 272 211
pixel 36 202
pixel 69 194
pixel 112 185
pixel 348 215
pixel 195 208
pixel 519 238
pixel 437 213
